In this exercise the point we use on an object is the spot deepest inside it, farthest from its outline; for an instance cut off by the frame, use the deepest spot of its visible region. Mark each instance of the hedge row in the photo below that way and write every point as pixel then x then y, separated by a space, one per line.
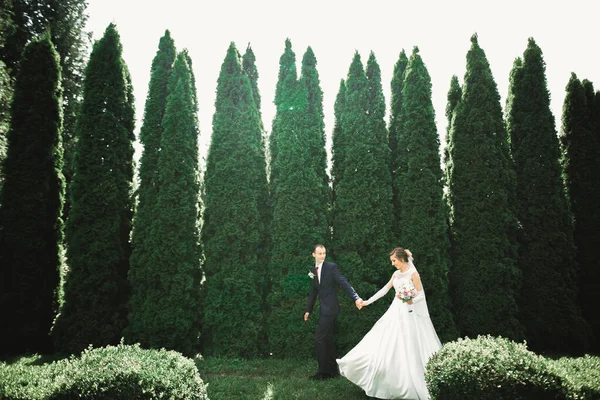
pixel 113 372
pixel 496 368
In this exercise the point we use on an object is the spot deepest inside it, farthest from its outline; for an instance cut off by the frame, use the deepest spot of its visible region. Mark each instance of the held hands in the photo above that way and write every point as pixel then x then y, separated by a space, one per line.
pixel 359 303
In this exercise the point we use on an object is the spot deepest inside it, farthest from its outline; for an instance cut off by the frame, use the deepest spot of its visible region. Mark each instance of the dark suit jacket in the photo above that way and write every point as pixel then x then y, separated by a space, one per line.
pixel 331 278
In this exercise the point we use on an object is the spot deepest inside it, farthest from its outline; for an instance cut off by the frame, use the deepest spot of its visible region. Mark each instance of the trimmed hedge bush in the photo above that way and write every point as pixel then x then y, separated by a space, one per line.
pixel 490 368
pixel 581 376
pixel 112 372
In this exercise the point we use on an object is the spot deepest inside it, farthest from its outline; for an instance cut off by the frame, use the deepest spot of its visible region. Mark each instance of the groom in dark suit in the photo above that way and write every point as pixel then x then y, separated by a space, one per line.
pixel 327 277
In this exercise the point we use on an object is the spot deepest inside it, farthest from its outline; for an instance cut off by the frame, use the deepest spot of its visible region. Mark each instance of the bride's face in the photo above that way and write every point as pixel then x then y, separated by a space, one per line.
pixel 397 262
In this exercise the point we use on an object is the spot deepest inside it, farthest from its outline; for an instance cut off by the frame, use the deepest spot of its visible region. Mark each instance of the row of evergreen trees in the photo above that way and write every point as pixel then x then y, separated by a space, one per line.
pixel 217 262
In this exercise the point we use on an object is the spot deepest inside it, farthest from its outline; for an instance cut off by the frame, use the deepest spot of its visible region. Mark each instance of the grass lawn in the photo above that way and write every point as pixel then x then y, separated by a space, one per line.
pixel 235 379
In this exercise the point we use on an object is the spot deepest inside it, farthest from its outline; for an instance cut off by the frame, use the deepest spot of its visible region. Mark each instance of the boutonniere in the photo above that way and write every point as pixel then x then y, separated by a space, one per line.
pixel 311 275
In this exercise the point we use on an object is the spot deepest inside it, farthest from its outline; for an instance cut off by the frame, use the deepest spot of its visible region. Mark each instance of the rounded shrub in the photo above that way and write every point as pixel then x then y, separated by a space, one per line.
pixel 123 372
pixel 492 368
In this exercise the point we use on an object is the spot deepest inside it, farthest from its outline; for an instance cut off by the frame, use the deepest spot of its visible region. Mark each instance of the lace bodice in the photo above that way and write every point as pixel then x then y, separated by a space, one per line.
pixel 401 278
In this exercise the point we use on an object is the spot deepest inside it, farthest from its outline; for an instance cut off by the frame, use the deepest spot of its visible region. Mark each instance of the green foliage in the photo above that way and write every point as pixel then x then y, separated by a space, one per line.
pixel 338 139
pixel 421 220
pixel 580 376
pixel 146 288
pixel 232 230
pixel 545 238
pixel 6 95
pixel 32 198
pixel 484 280
pixel 65 21
pixel 287 76
pixel 362 208
pixel 98 228
pixel 288 336
pixel 171 309
pixel 581 168
pixel 492 368
pixel 112 372
pixel 395 127
pixel 300 195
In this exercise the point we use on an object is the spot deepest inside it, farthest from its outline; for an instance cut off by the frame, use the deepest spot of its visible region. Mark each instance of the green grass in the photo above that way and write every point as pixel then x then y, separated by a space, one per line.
pixel 236 379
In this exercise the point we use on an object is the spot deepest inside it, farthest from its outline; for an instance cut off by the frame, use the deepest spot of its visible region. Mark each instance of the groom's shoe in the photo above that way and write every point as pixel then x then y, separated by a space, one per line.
pixel 331 376
pixel 317 377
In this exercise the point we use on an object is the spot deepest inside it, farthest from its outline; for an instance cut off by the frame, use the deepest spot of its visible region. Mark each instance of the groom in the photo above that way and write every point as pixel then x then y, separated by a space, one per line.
pixel 327 278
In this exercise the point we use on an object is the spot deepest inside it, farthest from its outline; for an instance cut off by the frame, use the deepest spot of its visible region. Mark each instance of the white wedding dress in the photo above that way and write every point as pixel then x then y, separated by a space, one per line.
pixel 389 362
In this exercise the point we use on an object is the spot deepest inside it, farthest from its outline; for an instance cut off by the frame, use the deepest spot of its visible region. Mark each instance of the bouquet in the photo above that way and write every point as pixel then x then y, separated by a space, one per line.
pixel 406 291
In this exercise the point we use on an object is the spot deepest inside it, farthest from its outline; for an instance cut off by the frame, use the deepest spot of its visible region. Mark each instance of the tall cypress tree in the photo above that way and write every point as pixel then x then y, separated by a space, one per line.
pixel 6 28
pixel 362 209
pixel 265 202
pixel 422 219
pixel 146 289
pixel 99 224
pixel 484 279
pixel 287 67
pixel 175 259
pixel 338 141
pixel 300 197
pixel 31 234
pixel 581 155
pixel 552 322
pixel 318 154
pixel 66 20
pixel 394 131
pixel 453 98
pixel 250 70
pixel 5 102
pixel 232 228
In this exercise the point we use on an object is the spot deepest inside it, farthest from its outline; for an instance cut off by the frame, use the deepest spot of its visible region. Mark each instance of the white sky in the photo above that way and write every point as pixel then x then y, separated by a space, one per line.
pixel 335 29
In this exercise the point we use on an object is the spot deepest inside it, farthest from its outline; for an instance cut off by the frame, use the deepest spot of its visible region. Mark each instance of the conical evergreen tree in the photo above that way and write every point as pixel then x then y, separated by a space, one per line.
pixel 5 103
pixel 175 260
pixel 453 98
pixel 143 279
pixel 232 228
pixel 66 22
pixel 99 224
pixel 250 70
pixel 422 219
pixel 545 237
pixel 287 68
pixel 394 132
pixel 581 166
pixel 362 210
pixel 338 141
pixel 32 198
pixel 318 154
pixel 265 202
pixel 484 279
pixel 301 196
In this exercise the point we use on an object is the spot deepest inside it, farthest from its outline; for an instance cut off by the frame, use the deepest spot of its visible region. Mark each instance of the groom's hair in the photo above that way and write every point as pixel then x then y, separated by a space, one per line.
pixel 400 254
pixel 316 246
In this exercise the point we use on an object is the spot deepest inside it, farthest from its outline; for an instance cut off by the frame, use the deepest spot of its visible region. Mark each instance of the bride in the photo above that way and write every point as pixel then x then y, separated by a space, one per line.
pixel 389 362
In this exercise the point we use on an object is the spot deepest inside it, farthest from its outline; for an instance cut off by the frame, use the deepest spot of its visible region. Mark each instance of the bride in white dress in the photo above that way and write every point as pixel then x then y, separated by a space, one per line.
pixel 389 362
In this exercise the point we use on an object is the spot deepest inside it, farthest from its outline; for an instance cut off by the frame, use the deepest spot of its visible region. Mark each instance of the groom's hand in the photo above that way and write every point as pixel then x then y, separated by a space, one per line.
pixel 306 316
pixel 359 303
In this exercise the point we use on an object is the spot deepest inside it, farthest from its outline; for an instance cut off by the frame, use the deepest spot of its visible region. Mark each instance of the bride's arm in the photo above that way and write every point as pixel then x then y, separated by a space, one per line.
pixel 416 280
pixel 382 292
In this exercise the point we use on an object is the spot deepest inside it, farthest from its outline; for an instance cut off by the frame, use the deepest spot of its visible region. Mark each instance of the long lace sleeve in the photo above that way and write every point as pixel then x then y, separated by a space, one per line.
pixel 382 292
pixel 419 297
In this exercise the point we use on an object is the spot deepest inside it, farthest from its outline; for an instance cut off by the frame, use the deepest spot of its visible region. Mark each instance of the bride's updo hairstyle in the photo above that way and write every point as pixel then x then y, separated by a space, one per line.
pixel 400 254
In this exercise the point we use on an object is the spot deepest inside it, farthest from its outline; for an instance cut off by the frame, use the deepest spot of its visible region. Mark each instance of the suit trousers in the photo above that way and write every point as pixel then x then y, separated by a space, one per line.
pixel 325 346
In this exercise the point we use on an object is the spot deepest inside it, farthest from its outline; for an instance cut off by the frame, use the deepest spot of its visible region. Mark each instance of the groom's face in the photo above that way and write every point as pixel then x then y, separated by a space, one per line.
pixel 319 255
